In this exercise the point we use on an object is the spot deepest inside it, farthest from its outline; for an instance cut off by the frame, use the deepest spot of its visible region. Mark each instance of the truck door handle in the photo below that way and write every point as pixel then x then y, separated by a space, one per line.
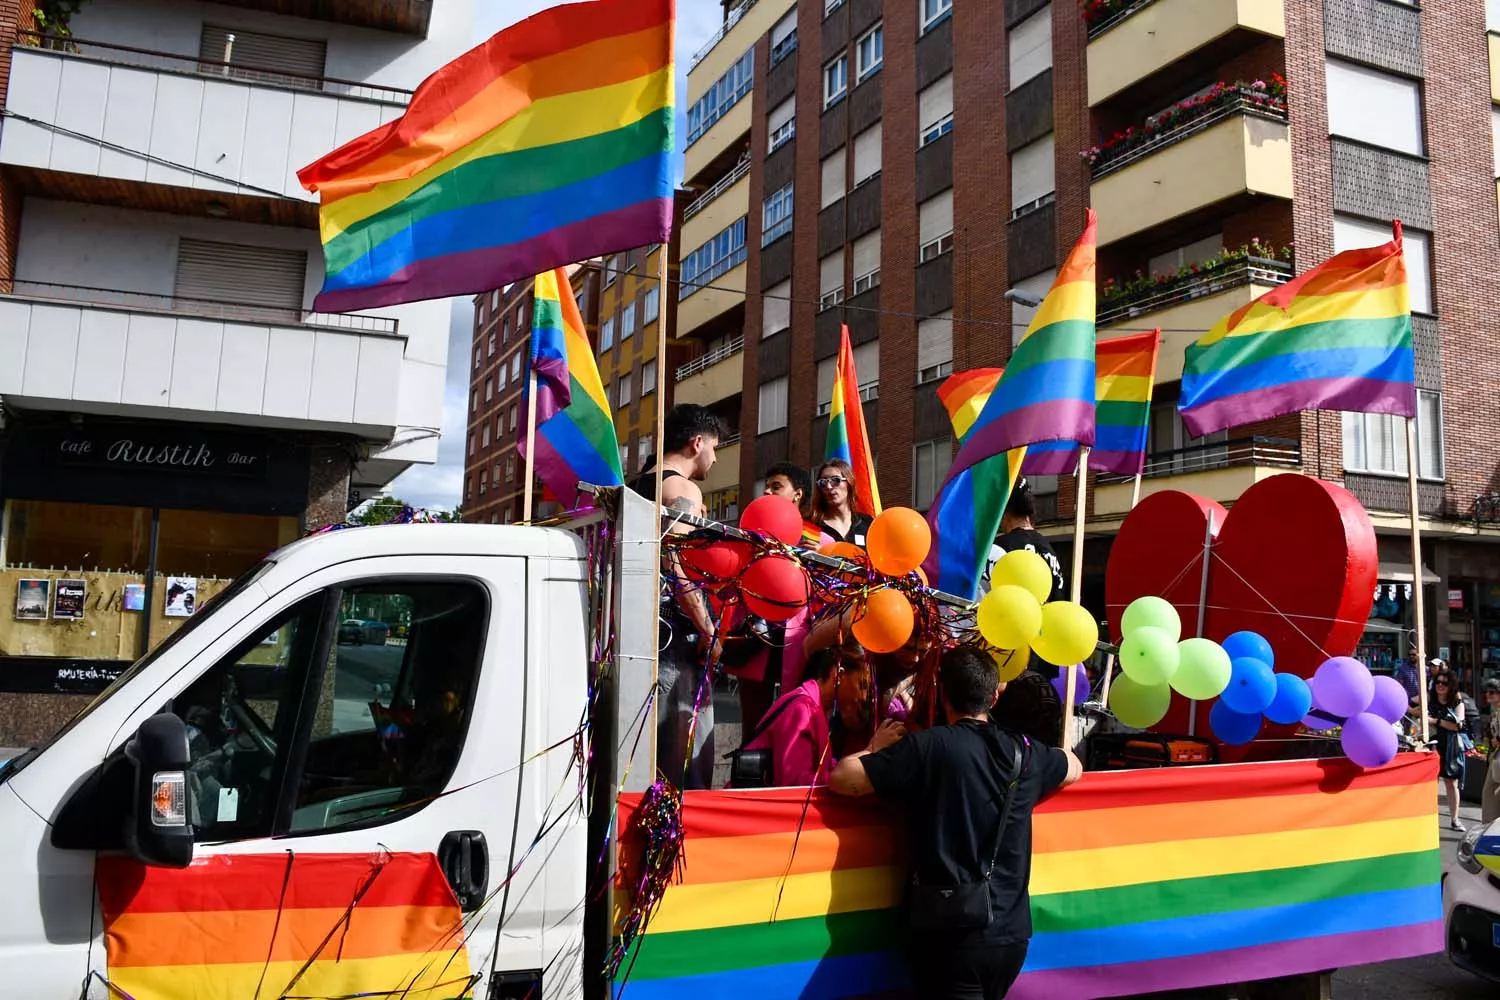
pixel 465 861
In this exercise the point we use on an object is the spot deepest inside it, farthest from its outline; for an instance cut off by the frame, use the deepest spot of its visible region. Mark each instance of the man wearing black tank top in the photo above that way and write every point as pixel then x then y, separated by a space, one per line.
pixel 691 436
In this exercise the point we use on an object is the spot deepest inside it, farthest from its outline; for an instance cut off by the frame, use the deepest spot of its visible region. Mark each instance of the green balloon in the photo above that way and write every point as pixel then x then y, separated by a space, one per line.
pixel 1139 706
pixel 1149 655
pixel 1151 612
pixel 1203 669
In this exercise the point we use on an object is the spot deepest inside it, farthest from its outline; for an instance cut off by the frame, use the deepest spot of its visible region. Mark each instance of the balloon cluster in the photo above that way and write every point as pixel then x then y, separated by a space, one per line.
pixel 1155 660
pixel 1016 615
pixel 1345 693
pixel 1256 693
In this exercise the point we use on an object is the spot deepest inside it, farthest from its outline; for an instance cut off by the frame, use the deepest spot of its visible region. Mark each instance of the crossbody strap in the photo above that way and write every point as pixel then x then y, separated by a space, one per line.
pixel 1005 802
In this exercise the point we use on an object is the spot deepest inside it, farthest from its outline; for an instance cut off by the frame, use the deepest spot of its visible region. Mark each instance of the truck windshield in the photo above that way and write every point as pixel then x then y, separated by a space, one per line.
pixel 10 768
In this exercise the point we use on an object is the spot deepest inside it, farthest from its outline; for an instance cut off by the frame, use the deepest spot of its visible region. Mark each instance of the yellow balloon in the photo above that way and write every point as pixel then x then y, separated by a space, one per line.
pixel 1009 617
pixel 1023 568
pixel 1012 663
pixel 1069 634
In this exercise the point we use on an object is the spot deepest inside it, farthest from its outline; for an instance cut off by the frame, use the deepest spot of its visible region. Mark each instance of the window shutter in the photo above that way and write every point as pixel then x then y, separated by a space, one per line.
pixel 867 154
pixel 827 369
pixel 935 102
pixel 776 309
pixel 1370 106
pixel 1350 233
pixel 1032 169
pixel 833 178
pixel 772 411
pixel 784 28
pixel 867 362
pixel 936 217
pixel 831 273
pixel 1495 127
pixel 867 254
pixel 934 341
pixel 1031 47
pixel 231 274
pixel 781 114
pixel 1430 434
pixel 262 56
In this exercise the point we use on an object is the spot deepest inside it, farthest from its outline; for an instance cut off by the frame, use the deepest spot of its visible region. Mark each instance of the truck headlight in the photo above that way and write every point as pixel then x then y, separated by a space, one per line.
pixel 1466 859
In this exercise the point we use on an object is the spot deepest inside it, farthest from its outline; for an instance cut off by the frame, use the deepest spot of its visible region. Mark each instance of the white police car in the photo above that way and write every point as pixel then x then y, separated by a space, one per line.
pixel 1471 904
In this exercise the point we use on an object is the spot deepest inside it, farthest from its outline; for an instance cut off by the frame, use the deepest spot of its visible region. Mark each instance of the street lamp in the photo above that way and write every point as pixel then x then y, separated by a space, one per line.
pixel 1021 297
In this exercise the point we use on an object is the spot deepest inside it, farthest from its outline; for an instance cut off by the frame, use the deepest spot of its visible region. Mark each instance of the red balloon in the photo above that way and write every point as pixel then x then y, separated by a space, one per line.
pixel 775 516
pixel 714 563
pixel 775 587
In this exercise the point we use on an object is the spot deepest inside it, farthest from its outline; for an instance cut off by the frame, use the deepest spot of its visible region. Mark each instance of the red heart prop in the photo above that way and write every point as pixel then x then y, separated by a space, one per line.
pixel 1295 560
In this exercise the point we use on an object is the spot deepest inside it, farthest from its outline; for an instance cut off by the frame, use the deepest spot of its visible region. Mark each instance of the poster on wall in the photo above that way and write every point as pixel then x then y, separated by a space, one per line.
pixel 68 599
pixel 182 596
pixel 134 597
pixel 32 599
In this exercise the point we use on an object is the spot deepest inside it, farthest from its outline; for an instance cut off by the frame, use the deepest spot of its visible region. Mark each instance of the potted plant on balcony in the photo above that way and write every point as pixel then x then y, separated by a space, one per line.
pixel 1140 292
pixel 1267 96
pixel 53 23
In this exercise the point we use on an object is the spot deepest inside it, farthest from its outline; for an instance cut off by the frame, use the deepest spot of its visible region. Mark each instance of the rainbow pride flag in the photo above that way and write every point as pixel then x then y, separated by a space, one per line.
pixel 547 144
pixel 1141 881
pixel 847 438
pixel 1336 338
pixel 1125 369
pixel 231 926
pixel 575 431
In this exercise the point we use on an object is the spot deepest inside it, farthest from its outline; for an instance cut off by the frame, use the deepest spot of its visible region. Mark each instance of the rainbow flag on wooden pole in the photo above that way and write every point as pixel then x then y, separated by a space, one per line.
pixel 847 438
pixel 550 143
pixel 1125 368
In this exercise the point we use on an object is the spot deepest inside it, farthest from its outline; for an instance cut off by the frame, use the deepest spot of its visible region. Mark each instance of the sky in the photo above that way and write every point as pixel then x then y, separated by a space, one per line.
pixel 440 486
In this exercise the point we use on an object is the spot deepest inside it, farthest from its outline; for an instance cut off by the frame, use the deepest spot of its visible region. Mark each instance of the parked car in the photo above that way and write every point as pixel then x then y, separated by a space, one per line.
pixel 357 632
pixel 1471 904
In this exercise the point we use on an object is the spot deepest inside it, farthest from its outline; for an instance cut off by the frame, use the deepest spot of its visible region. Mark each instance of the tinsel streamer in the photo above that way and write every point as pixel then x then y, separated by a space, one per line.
pixel 658 824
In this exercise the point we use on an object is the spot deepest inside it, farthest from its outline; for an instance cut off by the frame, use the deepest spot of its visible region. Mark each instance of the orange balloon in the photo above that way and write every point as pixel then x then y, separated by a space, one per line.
pixel 887 623
pixel 898 541
pixel 922 575
pixel 843 550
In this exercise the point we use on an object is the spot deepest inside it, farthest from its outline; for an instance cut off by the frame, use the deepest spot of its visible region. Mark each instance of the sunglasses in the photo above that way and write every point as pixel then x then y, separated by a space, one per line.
pixel 1442 684
pixel 832 481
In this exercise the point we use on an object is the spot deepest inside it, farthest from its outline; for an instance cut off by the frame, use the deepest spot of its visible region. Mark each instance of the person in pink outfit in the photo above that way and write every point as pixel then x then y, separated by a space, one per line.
pixel 795 729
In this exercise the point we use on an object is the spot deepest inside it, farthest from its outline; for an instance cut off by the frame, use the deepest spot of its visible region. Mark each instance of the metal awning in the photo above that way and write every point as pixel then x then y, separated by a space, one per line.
pixel 1400 572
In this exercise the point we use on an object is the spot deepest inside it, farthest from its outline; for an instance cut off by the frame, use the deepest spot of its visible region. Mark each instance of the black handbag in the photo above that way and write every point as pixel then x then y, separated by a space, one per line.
pixel 755 768
pixel 967 905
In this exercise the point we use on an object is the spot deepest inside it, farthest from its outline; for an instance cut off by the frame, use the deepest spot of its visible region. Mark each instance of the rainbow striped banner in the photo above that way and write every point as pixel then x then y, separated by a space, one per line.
pixel 231 926
pixel 1141 881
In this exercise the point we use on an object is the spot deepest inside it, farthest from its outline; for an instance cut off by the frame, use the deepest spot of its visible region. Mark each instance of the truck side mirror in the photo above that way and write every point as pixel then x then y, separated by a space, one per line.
pixel 157 830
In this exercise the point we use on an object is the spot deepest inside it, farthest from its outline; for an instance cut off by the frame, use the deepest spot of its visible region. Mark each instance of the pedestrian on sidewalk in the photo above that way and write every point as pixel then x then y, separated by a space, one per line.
pixel 1446 708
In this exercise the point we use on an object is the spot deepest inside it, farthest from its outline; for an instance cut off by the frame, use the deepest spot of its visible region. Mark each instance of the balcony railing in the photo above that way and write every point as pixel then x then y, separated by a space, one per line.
pixel 1274 452
pixel 721 185
pixel 704 362
pixel 1101 15
pixel 169 62
pixel 730 20
pixel 1163 295
pixel 183 306
pixel 1186 124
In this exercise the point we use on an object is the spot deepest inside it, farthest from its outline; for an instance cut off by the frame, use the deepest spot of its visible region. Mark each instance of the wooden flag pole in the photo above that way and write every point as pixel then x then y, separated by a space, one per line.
pixel 1208 542
pixel 1135 489
pixel 526 496
pixel 1416 573
pixel 1080 514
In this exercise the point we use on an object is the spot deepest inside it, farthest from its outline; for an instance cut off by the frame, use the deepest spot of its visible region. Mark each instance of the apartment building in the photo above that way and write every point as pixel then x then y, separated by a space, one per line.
pixel 943 153
pixel 172 409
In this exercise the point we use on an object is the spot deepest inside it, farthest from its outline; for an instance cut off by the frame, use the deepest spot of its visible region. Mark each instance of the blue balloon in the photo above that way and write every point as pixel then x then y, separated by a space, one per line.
pixel 1292 702
pixel 1249 646
pixel 1231 727
pixel 1252 685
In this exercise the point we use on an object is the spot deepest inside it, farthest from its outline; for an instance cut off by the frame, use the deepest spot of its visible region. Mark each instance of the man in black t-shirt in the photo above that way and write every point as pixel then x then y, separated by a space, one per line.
pixel 952 779
pixel 1018 531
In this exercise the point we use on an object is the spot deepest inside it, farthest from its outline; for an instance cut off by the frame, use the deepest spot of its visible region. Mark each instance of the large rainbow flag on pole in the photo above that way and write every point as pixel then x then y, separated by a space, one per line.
pixel 1141 881
pixel 547 144
pixel 1125 368
pixel 1337 338
pixel 847 438
pixel 575 431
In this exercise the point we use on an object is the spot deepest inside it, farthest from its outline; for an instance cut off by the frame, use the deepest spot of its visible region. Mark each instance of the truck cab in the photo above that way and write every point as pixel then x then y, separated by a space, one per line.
pixel 290 753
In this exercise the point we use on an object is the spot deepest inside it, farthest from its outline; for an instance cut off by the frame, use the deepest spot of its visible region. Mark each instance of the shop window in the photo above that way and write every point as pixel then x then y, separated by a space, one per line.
pixel 47 534
pixel 210 544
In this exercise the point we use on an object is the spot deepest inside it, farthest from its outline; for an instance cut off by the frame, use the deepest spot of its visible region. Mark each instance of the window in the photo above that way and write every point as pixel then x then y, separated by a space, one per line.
pixel 624 394
pixel 648 378
pixel 833 177
pixel 578 301
pixel 651 306
pixel 627 322
pixel 1495 129
pixel 1032 173
pixel 644 449
pixel 776 308
pixel 935 225
pixel 484 441
pixel 776 217
pixel 494 301
pixel 510 468
pixel 241 274
pixel 866 369
pixel 1031 47
pixel 1350 233
pixel 714 258
pixel 1492 14
pixel 867 262
pixel 478 356
pixel 607 334
pixel 1172 449
pixel 611 269
pixel 725 93
pixel 930 461
pixel 935 347
pixel 1370 106
pixel 301 59
pixel 625 456
pixel 489 389
pixel 827 371
pixel 492 344
pixel 471 443
pixel 831 280
pixel 869 53
pixel 935 109
pixel 867 154
pixel 829 6
pixel 513 416
pixel 934 11
pixel 1184 256
pixel 781 124
pixel 504 333
pixel 771 415
pixel 1037 285
pixel 784 37
pixel 1376 442
pixel 515 367
pixel 835 80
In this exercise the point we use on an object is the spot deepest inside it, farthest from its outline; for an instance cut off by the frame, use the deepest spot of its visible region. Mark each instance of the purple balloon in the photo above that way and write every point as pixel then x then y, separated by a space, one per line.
pixel 1081 687
pixel 1369 740
pixel 1343 687
pixel 1313 722
pixel 1390 699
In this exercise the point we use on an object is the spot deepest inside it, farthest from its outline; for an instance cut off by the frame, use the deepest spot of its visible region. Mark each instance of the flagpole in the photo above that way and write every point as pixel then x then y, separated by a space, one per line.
pixel 1208 541
pixel 1135 490
pixel 526 497
pixel 1080 514
pixel 1416 571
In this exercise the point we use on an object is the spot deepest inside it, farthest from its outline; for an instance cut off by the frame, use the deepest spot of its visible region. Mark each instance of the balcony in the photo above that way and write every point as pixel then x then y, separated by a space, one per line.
pixel 1233 150
pixel 726 471
pixel 1130 41
pixel 115 352
pixel 405 17
pixel 716 375
pixel 109 114
pixel 1220 471
pixel 723 184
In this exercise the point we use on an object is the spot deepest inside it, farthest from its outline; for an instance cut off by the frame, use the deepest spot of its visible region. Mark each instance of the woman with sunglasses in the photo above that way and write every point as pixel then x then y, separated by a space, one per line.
pixel 1446 709
pixel 835 505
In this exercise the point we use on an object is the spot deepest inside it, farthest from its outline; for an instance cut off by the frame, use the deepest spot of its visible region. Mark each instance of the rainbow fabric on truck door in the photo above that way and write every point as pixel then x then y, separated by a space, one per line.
pixel 1141 881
